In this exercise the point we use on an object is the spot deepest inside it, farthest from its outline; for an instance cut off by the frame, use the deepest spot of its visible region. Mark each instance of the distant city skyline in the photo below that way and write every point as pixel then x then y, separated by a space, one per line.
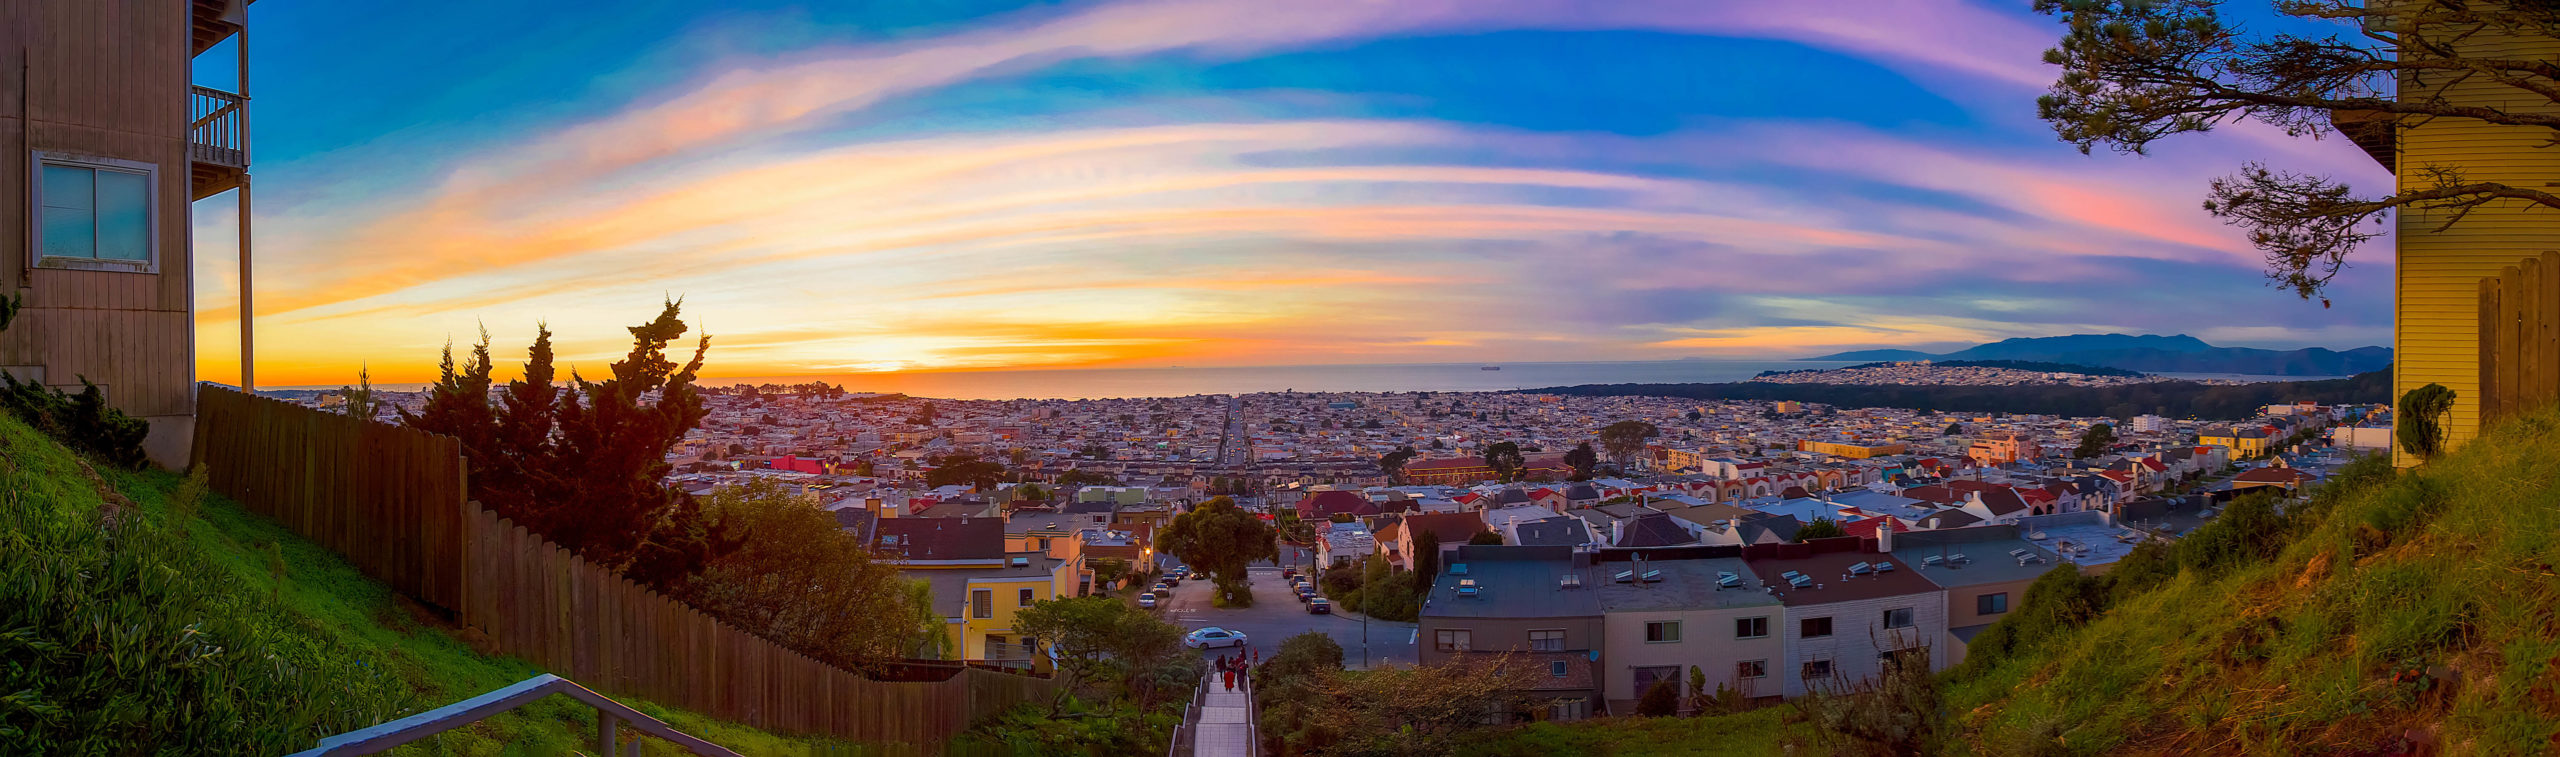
pixel 1012 185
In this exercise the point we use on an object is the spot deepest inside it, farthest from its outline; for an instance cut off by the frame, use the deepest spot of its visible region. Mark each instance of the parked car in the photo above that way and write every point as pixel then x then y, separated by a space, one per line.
pixel 1213 636
pixel 1195 574
pixel 1147 601
pixel 1288 573
pixel 1170 579
pixel 1161 593
pixel 1319 606
pixel 1305 594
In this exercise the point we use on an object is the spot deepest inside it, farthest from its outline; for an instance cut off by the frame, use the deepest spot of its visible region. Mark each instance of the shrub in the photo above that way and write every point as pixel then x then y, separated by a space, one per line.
pixel 1661 700
pixel 121 638
pixel 2247 532
pixel 82 421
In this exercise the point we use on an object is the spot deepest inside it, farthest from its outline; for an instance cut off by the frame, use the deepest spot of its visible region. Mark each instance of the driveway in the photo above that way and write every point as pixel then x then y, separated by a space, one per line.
pixel 1276 615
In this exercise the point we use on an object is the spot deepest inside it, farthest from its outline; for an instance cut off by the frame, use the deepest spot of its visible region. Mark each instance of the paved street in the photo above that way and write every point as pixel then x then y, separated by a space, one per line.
pixel 1276 615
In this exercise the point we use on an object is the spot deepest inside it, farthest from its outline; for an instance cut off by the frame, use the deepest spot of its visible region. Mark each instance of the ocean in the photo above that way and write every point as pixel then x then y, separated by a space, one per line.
pixel 1398 377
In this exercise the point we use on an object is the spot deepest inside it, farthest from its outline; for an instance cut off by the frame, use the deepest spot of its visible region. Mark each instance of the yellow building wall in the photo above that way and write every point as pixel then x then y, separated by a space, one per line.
pixel 1005 594
pixel 2436 332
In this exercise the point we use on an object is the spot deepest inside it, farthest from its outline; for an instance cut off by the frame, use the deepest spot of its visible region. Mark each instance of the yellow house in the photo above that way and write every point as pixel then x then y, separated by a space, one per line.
pixel 979 604
pixel 2436 297
pixel 1857 450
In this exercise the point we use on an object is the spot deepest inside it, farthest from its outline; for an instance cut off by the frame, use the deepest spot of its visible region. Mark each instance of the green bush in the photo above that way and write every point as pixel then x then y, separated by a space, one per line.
pixel 1661 700
pixel 83 421
pixel 2248 531
pixel 121 638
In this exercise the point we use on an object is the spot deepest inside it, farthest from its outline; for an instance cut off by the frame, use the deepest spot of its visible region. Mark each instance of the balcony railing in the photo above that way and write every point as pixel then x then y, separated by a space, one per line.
pixel 219 132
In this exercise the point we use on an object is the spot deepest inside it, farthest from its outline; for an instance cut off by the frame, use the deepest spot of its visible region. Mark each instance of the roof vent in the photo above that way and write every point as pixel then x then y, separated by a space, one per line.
pixel 1860 569
pixel 1653 576
pixel 1799 580
pixel 1958 558
pixel 1569 581
pixel 1884 567
pixel 1624 576
pixel 1729 581
pixel 1468 588
pixel 1932 560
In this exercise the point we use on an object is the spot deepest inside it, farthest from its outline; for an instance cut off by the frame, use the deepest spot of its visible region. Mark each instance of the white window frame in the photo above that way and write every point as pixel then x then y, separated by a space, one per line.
pixel 150 172
pixel 1559 639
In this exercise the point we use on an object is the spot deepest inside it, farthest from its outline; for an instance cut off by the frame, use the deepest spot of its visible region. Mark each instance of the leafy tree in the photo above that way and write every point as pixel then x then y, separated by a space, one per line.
pixel 1585 462
pixel 965 469
pixel 2095 441
pixel 1505 460
pixel 1695 415
pixel 1107 570
pixel 1393 595
pixel 1820 528
pixel 1104 640
pixel 583 467
pixel 1393 462
pixel 797 579
pixel 1031 493
pixel 1405 711
pixel 1221 538
pixel 920 609
pixel 1953 429
pixel 1487 537
pixel 1625 439
pixel 1661 700
pixel 2139 70
pixel 361 402
pixel 2421 420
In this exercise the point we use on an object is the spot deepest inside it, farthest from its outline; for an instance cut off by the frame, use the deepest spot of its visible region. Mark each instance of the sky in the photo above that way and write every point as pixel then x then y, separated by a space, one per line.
pixel 987 184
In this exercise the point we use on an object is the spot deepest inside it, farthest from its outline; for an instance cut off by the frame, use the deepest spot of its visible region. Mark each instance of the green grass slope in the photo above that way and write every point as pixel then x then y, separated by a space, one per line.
pixel 334 650
pixel 2415 610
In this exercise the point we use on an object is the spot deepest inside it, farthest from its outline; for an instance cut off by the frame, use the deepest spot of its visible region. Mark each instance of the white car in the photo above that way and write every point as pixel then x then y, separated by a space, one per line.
pixel 1213 636
pixel 1147 601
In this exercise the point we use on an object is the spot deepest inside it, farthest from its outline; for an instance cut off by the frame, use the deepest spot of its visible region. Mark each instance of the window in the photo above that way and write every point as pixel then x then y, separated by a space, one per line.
pixel 1749 669
pixel 1991 604
pixel 95 213
pixel 1454 640
pixel 1814 628
pixel 982 603
pixel 1899 617
pixel 1024 600
pixel 1646 677
pixel 1044 543
pixel 1551 640
pixel 1662 632
pixel 1750 628
pixel 1817 669
pixel 1556 668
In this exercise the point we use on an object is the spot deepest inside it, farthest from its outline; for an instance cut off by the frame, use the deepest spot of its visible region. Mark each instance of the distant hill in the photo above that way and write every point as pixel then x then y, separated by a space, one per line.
pixel 2152 354
pixel 2176 399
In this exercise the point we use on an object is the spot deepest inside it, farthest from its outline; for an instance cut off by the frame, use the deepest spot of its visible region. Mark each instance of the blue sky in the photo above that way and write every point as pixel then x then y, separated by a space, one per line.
pixel 932 186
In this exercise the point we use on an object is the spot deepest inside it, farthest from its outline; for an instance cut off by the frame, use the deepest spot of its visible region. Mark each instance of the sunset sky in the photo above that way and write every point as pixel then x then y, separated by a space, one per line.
pixel 998 183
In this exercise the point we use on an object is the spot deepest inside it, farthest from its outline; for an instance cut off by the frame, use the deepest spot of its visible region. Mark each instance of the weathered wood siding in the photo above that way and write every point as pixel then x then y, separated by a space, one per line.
pixel 2520 337
pixel 101 78
pixel 2437 334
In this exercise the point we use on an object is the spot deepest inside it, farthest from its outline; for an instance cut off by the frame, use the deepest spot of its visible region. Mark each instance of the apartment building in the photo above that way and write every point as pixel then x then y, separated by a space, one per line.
pixel 1496 598
pixel 1985 571
pixel 1850 611
pixel 1680 610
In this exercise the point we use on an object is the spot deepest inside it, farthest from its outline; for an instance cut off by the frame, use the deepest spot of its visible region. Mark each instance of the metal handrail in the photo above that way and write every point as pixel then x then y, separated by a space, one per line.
pixel 384 737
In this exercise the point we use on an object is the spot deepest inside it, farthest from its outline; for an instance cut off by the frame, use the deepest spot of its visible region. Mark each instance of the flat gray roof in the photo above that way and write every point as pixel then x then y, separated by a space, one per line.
pixel 1686 585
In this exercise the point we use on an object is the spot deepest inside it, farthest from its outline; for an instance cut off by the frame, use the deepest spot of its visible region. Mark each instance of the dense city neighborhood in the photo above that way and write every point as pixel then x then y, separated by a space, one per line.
pixel 1764 548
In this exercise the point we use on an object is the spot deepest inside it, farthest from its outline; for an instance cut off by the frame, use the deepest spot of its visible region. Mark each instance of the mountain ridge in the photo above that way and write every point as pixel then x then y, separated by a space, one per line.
pixel 2176 353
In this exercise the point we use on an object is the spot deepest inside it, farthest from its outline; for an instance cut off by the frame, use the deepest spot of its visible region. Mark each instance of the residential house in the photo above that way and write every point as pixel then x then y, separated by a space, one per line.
pixel 1850 611
pixel 1985 571
pixel 1682 609
pixel 1451 529
pixel 1498 598
pixel 110 143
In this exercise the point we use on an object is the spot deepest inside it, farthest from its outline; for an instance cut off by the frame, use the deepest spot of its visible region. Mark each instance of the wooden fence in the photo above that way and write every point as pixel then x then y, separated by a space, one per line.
pixel 2520 337
pixel 392 500
pixel 388 498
